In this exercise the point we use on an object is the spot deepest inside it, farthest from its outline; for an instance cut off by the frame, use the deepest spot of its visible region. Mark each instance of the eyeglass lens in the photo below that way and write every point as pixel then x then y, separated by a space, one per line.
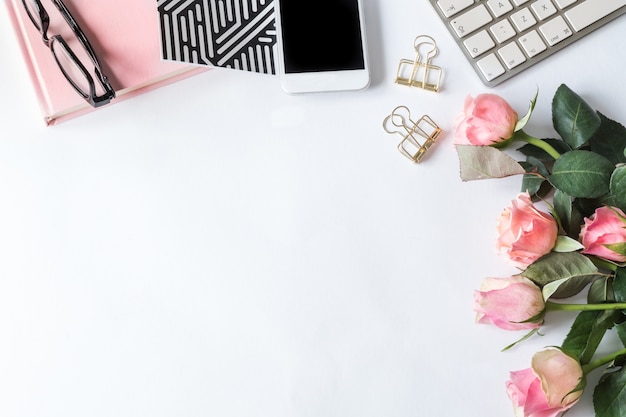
pixel 34 11
pixel 70 67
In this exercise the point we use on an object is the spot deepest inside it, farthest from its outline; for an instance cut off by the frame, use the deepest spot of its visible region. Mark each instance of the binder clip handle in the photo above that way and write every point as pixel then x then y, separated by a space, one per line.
pixel 429 47
pixel 399 121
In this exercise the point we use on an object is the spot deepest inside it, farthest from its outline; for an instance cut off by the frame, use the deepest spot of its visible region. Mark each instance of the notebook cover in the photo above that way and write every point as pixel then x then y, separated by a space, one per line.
pixel 238 34
pixel 125 35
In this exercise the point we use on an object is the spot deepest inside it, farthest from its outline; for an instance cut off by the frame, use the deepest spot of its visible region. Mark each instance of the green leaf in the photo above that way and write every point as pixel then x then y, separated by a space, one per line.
pixel 587 332
pixel 572 286
pixel 610 140
pixel 582 174
pixel 577 269
pixel 621 332
pixel 573 118
pixel 619 285
pixel 563 205
pixel 567 244
pixel 617 187
pixel 552 287
pixel 601 291
pixel 609 396
pixel 536 175
pixel 485 162
pixel 568 216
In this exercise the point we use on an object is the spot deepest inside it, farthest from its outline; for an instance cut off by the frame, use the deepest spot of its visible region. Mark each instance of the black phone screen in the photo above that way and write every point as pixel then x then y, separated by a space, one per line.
pixel 321 35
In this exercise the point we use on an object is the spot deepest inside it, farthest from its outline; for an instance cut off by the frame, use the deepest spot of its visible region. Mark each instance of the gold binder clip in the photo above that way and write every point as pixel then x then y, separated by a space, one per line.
pixel 420 72
pixel 417 137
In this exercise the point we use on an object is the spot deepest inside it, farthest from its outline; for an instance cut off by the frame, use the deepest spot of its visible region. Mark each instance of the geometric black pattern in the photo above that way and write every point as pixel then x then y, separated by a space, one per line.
pixel 237 34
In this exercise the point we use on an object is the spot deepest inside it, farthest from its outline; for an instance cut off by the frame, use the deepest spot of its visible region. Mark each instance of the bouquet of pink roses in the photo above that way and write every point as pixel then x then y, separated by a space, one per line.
pixel 577 246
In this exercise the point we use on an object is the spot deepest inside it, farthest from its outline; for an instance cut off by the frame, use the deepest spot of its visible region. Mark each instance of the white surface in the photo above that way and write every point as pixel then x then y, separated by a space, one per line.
pixel 220 248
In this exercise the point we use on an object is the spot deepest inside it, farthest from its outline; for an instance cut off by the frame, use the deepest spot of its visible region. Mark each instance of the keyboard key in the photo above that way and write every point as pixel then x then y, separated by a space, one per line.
pixel 502 31
pixel 561 4
pixel 591 11
pixel 520 2
pixel 452 7
pixel 511 55
pixel 543 9
pixel 479 43
pixel 555 30
pixel 471 20
pixel 532 43
pixel 523 19
pixel 490 67
pixel 499 7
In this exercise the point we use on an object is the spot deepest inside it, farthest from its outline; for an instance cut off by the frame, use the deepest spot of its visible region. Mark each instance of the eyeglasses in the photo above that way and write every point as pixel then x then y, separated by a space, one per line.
pixel 73 68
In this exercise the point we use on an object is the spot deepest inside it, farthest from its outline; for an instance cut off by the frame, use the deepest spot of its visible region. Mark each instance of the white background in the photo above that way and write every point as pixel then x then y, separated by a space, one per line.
pixel 219 248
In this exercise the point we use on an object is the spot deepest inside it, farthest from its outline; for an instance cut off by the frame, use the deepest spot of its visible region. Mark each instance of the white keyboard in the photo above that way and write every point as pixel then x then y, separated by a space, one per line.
pixel 501 38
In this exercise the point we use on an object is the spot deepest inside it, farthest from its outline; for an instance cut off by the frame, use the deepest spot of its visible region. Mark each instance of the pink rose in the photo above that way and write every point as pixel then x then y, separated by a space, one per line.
pixel 525 233
pixel 548 388
pixel 486 120
pixel 509 303
pixel 605 227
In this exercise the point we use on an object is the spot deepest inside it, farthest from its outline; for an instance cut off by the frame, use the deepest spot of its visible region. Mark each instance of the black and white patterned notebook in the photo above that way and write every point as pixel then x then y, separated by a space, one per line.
pixel 238 34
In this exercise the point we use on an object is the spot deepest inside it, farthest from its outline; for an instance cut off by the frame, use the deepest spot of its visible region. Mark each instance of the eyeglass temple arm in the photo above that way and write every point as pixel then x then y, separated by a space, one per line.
pixel 79 34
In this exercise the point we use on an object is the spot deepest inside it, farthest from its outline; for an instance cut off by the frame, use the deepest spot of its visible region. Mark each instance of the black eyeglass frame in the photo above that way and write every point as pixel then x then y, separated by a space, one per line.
pixel 92 98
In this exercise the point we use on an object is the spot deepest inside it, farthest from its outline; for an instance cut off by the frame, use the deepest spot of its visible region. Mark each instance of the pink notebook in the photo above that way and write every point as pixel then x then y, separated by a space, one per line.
pixel 125 35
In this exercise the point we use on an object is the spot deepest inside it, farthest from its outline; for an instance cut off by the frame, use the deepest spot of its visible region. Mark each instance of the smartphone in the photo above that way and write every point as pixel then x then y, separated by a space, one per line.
pixel 321 45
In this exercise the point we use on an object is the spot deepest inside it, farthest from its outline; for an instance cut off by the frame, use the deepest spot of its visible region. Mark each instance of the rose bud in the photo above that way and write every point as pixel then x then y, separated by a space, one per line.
pixel 486 120
pixel 548 388
pixel 607 226
pixel 509 303
pixel 525 233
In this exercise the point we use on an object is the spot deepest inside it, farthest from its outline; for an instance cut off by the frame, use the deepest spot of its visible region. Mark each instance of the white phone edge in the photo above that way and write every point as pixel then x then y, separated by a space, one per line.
pixel 323 81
